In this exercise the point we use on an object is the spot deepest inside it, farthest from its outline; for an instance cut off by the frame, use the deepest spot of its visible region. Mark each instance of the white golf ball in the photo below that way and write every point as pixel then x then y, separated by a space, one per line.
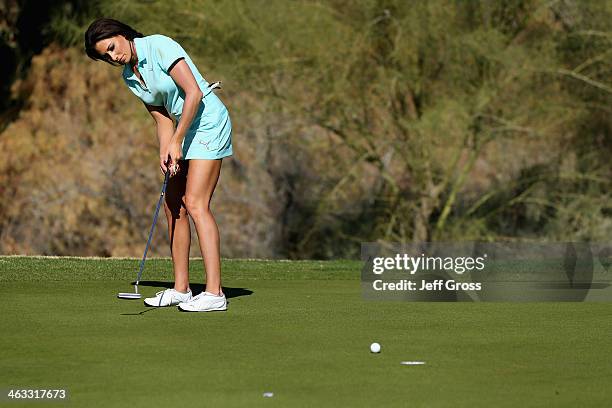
pixel 375 348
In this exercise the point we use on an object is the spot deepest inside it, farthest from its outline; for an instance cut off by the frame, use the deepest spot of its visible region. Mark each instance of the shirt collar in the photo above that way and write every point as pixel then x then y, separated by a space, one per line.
pixel 139 44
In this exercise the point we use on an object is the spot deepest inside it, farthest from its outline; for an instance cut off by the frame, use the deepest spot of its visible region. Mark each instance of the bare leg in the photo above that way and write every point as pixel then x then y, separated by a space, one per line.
pixel 201 182
pixel 178 227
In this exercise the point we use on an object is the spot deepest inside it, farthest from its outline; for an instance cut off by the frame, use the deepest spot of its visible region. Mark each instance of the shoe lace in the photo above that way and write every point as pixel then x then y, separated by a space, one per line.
pixel 201 295
pixel 170 290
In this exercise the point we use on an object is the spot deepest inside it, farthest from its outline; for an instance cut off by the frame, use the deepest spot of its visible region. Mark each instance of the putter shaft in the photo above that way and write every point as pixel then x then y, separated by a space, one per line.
pixel 144 257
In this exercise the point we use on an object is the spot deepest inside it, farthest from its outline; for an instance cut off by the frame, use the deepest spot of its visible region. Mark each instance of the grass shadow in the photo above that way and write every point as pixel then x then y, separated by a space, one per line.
pixel 140 313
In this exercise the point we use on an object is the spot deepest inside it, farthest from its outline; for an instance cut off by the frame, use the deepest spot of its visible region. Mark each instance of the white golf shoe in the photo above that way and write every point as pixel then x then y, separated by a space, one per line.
pixel 168 297
pixel 205 302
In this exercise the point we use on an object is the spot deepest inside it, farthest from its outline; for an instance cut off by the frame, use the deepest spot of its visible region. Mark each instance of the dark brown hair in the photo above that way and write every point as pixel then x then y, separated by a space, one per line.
pixel 104 28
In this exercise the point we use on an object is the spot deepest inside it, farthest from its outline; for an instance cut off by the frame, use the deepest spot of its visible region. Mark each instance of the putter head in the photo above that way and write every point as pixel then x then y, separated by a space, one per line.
pixel 129 295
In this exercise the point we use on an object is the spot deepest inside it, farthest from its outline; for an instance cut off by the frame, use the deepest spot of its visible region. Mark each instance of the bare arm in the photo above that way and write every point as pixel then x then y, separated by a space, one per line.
pixel 183 77
pixel 165 130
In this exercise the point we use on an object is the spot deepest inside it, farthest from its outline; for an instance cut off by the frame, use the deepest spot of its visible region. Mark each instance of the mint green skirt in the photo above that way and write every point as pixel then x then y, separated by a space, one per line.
pixel 210 134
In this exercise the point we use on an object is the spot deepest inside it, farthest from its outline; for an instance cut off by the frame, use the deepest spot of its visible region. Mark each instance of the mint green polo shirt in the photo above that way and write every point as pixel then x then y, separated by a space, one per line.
pixel 156 55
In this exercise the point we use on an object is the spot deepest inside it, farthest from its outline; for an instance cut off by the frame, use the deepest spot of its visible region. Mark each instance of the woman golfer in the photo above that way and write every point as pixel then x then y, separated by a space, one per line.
pixel 161 74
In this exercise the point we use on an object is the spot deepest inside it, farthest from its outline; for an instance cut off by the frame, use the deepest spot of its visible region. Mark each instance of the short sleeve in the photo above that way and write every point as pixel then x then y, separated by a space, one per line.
pixel 168 52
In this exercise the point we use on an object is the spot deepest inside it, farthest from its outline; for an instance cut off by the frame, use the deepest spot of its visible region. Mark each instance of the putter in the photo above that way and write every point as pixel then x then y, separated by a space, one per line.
pixel 135 294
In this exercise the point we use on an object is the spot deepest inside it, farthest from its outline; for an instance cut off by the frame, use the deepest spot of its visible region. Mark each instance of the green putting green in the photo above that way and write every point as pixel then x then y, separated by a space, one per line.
pixel 299 330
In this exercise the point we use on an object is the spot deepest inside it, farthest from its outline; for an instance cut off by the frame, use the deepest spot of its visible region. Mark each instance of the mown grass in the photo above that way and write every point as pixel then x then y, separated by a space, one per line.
pixel 298 329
